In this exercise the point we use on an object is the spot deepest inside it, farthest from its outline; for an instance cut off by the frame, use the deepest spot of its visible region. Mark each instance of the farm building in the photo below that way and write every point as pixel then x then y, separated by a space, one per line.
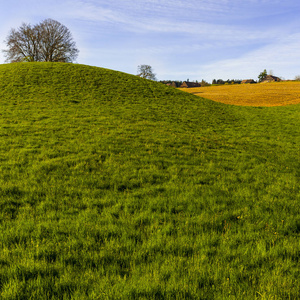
pixel 173 84
pixel 248 81
pixel 187 84
pixel 271 78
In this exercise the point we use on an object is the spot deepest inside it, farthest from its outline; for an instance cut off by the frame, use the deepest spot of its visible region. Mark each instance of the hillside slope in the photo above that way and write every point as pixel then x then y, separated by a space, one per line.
pixel 116 187
pixel 84 85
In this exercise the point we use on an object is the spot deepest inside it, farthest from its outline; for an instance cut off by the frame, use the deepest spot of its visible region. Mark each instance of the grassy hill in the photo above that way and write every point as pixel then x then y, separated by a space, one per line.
pixel 116 187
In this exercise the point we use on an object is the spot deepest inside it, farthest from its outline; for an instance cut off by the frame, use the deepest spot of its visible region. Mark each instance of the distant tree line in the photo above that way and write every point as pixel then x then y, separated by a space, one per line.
pixel 203 82
pixel 178 83
pixel 228 81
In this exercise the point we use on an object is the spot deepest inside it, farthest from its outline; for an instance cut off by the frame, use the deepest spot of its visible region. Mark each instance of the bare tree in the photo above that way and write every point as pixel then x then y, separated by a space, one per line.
pixel 56 42
pixel 145 71
pixel 46 41
pixel 22 44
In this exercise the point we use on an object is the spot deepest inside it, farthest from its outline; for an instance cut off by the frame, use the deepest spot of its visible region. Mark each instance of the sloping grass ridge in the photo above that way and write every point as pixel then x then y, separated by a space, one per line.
pixel 116 187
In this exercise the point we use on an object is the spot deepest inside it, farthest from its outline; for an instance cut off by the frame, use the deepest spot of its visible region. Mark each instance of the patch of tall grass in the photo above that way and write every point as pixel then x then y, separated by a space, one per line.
pixel 115 187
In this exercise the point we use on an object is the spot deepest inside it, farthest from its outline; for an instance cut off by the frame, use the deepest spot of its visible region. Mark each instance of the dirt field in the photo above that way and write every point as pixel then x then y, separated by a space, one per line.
pixel 261 94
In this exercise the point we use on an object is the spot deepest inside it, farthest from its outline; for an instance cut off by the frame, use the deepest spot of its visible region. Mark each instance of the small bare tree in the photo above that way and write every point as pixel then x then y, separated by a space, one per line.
pixel 297 78
pixel 145 71
pixel 46 41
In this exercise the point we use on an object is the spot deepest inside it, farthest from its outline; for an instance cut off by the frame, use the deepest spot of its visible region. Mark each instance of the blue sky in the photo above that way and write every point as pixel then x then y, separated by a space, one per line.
pixel 226 39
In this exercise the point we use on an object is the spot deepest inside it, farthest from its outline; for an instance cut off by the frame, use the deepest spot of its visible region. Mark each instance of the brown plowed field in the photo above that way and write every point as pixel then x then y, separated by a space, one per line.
pixel 260 94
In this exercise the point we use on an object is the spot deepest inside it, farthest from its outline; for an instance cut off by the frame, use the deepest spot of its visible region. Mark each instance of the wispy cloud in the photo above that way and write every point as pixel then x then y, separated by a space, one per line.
pixel 197 19
pixel 281 57
pixel 177 10
pixel 179 36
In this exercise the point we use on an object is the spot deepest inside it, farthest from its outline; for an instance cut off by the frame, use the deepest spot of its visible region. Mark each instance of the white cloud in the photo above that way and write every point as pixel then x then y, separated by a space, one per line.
pixel 283 57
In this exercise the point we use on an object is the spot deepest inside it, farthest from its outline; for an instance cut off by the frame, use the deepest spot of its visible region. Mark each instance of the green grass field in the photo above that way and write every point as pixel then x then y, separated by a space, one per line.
pixel 116 187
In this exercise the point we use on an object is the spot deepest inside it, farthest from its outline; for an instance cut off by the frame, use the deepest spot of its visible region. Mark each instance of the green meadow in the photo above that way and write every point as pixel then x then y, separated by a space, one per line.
pixel 117 187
